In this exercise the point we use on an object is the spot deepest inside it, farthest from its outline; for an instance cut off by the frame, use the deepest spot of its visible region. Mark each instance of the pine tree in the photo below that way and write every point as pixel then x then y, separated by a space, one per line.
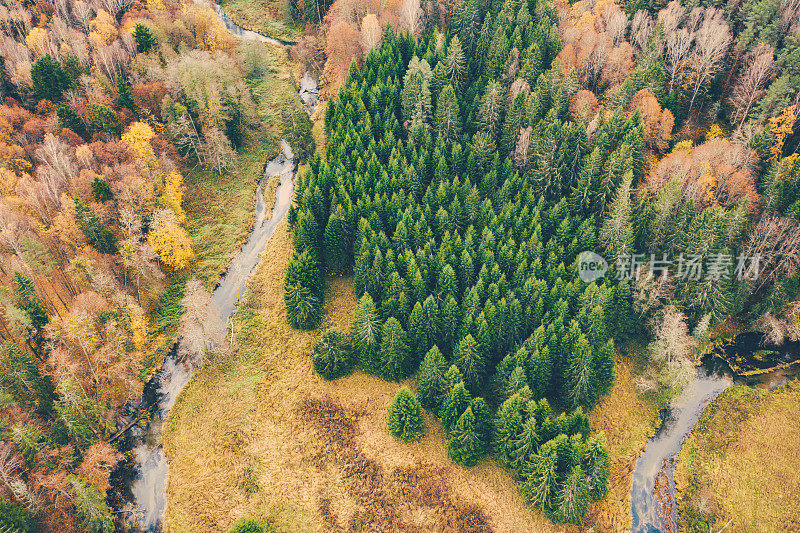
pixel 48 79
pixel 454 405
pixel 448 121
pixel 470 361
pixel 145 41
pixel 97 233
pixel 124 97
pixel 490 113
pixel 417 333
pixel 539 479
pixel 366 334
pixel 616 234
pixel 303 291
pixel 335 247
pixel 573 497
pixel 431 384
pixel 90 505
pixel 21 377
pixel 333 355
pixel 595 464
pixel 465 446
pixel 455 63
pixel 522 448
pixel 394 351
pixel 404 417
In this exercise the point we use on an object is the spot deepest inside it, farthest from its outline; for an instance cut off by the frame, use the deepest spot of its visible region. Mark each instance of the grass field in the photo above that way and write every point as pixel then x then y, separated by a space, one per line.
pixel 740 467
pixel 263 16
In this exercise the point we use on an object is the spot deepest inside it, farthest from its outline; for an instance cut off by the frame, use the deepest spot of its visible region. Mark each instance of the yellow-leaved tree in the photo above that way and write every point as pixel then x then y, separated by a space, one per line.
pixel 138 140
pixel 173 195
pixel 170 240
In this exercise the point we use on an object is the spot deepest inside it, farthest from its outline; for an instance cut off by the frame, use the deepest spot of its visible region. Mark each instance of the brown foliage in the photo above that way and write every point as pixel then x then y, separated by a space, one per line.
pixel 657 123
pixel 149 96
pixel 98 462
pixel 343 47
pixel 730 179
pixel 583 106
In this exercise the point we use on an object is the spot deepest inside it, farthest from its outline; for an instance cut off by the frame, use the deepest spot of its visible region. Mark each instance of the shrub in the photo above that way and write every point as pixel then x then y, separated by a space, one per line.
pixel 404 417
pixel 333 355
pixel 250 525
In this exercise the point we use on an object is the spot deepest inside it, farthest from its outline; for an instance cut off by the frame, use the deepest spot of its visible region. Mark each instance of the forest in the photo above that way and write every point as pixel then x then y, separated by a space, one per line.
pixel 466 156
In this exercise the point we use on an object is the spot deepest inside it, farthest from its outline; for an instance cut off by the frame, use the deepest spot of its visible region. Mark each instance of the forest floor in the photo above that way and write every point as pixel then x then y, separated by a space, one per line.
pixel 259 433
pixel 740 467
pixel 262 16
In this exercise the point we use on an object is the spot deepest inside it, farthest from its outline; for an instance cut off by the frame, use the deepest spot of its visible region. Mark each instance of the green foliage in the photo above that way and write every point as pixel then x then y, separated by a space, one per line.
pixel 124 97
pixel 145 40
pixel 104 119
pixel 394 353
pixel 466 444
pixel 296 130
pixel 251 525
pixel 49 79
pixel 96 232
pixel 91 506
pixel 86 421
pixel 365 332
pixel 431 382
pixel 303 291
pixel 454 405
pixel 100 190
pixel 333 356
pixel 70 120
pixel 22 378
pixel 15 519
pixel 404 417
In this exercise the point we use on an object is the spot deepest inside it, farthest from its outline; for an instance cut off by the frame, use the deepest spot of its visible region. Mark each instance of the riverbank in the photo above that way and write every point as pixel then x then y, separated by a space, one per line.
pixel 266 17
pixel 740 467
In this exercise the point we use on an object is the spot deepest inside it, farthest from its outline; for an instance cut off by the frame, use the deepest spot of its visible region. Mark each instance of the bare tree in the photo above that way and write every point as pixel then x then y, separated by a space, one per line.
pixel 677 45
pixel 775 241
pixel 201 323
pixel 641 28
pixel 370 33
pixel 413 15
pixel 750 85
pixel 674 348
pixel 711 42
pixel 616 23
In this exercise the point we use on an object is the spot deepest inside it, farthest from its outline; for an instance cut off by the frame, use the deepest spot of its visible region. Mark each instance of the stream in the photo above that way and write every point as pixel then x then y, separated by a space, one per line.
pixel 140 483
pixel 653 504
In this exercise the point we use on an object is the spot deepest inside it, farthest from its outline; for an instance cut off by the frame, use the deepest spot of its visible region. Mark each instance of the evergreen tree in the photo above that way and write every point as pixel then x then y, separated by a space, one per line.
pixel 333 356
pixel 431 381
pixel 22 378
pixel 15 518
pixel 366 334
pixel 595 464
pixel 470 361
pixel 405 416
pixel 573 497
pixel 466 446
pixel 48 79
pixel 394 353
pixel 539 479
pixel 97 233
pixel 455 63
pixel 454 405
pixel 417 332
pixel 335 247
pixel 145 41
pixel 448 120
pixel 90 505
pixel 303 291
pixel 101 191
pixel 124 97
pixel 616 234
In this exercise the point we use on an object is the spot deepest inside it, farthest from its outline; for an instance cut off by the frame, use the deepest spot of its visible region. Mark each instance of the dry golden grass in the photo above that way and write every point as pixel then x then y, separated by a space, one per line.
pixel 741 464
pixel 628 422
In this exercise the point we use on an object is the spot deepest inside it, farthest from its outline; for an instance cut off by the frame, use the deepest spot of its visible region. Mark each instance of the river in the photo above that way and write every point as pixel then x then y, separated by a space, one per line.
pixel 653 504
pixel 141 491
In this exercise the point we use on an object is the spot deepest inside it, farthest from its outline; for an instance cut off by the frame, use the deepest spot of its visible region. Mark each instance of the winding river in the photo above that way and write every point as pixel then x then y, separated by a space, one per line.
pixel 141 491
pixel 653 504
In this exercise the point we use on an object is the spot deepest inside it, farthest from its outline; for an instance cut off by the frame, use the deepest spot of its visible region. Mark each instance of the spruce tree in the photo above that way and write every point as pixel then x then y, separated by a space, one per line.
pixel 333 356
pixel 454 405
pixel 91 506
pixel 22 378
pixel 335 246
pixel 394 352
pixel 145 41
pixel 417 332
pixel 595 464
pixel 365 332
pixel 48 79
pixel 572 497
pixel 539 480
pixel 470 361
pixel 303 291
pixel 124 97
pixel 431 384
pixel 466 446
pixel 404 417
pixel 96 232
pixel 448 120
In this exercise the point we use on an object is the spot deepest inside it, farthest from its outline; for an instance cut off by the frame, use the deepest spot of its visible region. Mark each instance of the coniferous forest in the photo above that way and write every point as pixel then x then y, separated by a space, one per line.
pixel 521 234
